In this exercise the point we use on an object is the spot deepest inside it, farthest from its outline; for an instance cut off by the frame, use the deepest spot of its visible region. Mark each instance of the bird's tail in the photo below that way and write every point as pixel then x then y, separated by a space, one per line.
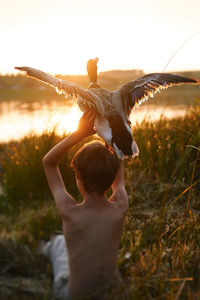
pixel 134 148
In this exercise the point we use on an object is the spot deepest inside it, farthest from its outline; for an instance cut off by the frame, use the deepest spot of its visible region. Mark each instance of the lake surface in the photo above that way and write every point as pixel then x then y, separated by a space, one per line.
pixel 18 119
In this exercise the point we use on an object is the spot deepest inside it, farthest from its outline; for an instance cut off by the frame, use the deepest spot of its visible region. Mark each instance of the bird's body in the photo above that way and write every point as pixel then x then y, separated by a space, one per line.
pixel 113 107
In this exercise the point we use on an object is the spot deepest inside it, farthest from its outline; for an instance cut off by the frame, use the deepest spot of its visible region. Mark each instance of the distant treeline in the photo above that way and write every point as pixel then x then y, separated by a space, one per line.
pixel 106 79
pixel 20 87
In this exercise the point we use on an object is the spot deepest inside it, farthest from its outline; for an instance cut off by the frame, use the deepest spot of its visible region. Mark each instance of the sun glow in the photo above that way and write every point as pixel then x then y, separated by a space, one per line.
pixel 68 122
pixel 60 36
pixel 16 123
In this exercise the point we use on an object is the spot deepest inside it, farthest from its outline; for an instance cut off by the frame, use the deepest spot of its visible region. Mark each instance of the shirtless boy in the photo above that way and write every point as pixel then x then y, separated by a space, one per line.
pixel 93 228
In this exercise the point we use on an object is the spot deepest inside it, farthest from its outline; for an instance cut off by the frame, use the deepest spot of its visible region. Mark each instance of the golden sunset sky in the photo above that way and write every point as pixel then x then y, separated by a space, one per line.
pixel 59 36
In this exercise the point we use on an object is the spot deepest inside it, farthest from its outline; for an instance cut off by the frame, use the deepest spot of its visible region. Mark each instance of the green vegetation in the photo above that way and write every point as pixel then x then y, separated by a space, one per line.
pixel 159 255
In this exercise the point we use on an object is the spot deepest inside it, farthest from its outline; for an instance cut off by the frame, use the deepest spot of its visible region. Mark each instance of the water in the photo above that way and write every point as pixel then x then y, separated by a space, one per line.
pixel 18 119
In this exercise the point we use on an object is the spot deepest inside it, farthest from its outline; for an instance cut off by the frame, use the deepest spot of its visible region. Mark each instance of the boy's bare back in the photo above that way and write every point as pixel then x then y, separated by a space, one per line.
pixel 93 230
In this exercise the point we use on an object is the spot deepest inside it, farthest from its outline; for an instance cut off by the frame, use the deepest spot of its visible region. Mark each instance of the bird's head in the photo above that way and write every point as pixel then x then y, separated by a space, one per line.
pixel 92 70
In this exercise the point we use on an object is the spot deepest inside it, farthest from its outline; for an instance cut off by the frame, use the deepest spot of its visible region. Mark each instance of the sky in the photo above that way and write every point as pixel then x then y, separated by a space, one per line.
pixel 59 36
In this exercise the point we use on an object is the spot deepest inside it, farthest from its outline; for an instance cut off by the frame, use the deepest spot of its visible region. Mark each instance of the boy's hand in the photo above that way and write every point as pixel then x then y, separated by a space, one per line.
pixel 86 123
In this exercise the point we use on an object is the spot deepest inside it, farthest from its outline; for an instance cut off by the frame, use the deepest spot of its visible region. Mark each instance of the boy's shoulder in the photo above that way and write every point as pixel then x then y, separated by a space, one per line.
pixel 65 204
pixel 119 198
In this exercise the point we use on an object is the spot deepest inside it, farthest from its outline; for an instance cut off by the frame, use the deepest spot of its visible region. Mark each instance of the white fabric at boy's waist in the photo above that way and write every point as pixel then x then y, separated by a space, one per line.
pixel 56 251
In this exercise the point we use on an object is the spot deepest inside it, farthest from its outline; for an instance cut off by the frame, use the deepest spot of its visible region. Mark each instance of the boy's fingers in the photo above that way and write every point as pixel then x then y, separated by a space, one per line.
pixel 90 115
pixel 85 115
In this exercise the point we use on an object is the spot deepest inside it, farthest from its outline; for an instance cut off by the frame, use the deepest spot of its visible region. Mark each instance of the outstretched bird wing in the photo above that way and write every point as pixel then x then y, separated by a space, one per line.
pixel 136 92
pixel 68 88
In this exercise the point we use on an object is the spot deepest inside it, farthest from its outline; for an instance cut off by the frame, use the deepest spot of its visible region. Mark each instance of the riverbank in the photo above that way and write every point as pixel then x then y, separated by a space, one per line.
pixel 159 251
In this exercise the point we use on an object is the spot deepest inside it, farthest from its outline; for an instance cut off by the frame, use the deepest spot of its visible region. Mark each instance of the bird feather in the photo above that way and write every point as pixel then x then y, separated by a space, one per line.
pixel 70 89
pixel 138 91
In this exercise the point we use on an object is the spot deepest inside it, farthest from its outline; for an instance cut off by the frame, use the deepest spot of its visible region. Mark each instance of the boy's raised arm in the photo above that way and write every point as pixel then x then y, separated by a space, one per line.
pixel 53 157
pixel 119 194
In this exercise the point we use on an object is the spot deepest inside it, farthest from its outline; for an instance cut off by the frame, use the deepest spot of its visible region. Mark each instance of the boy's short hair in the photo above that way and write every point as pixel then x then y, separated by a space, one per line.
pixel 97 167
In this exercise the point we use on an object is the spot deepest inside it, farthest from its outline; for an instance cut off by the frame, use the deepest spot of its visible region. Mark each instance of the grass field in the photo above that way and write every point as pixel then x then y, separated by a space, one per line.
pixel 159 256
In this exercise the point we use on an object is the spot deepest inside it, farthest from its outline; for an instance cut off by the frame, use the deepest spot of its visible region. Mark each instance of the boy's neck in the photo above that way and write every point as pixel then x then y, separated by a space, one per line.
pixel 94 198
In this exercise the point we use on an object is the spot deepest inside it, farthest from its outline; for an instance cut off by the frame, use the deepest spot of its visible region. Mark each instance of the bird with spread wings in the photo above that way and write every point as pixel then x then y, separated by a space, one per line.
pixel 113 107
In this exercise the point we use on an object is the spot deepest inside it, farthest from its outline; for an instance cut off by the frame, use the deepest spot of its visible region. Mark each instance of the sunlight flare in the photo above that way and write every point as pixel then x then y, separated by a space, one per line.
pixel 69 121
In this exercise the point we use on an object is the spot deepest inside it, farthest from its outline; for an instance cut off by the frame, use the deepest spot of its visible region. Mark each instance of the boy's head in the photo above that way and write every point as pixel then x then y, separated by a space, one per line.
pixel 96 167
